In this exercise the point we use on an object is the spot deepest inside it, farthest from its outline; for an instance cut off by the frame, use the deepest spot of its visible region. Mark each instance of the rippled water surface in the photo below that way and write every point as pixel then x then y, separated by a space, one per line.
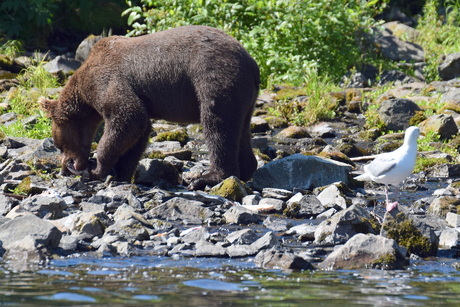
pixel 211 282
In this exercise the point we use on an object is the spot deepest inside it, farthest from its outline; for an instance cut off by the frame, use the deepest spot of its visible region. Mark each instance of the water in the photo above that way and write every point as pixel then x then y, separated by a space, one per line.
pixel 164 281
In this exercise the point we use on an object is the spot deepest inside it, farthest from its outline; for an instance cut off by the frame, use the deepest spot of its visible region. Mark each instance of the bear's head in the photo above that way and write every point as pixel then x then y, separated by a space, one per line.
pixel 70 136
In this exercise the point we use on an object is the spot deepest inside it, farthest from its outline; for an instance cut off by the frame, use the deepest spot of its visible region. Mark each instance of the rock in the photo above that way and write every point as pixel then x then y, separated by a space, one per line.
pixel 231 188
pixel 453 219
pixel 344 225
pixel 300 171
pixel 279 259
pixel 6 204
pixel 333 197
pixel 393 48
pixel 303 206
pixel 239 215
pixel 258 124
pixel 401 30
pixel 268 240
pixel 85 47
pixel 442 124
pixel 277 224
pixel 305 232
pixel 130 229
pixel 367 251
pixel 396 113
pixel 195 234
pixel 242 237
pixel 40 232
pixel 206 249
pixel 444 171
pixel 450 67
pixel 417 237
pixel 62 64
pixel 293 132
pixel 449 238
pixel 440 206
pixel 154 172
pixel 395 76
pixel 181 209
pixel 45 206
pixel 85 225
pixel 277 205
pixel 276 193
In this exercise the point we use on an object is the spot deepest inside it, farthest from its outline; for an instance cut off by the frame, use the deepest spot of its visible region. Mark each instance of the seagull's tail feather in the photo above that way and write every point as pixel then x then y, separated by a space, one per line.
pixel 363 177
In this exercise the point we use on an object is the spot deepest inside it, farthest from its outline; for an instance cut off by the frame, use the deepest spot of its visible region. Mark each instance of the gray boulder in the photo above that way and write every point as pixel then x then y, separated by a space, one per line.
pixel 154 172
pixel 450 67
pixel 344 225
pixel 367 251
pixel 442 124
pixel 393 48
pixel 396 113
pixel 63 64
pixel 300 171
pixel 177 208
pixel 281 259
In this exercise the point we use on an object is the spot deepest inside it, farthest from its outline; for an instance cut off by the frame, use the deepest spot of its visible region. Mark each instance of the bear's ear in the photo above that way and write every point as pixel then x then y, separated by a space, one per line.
pixel 49 106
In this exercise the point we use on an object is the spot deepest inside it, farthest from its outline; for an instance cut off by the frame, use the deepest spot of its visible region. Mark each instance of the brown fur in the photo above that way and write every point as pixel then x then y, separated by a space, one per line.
pixel 188 74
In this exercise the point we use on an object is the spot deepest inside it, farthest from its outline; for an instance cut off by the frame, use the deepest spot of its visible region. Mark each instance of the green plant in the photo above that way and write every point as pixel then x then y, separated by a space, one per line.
pixel 439 34
pixel 286 37
pixel 11 48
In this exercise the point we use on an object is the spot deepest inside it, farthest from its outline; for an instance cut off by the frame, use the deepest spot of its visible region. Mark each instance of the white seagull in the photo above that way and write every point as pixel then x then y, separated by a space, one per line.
pixel 393 167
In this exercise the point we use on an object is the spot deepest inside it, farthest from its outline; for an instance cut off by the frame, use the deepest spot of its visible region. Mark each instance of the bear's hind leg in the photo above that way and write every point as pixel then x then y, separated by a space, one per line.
pixel 246 159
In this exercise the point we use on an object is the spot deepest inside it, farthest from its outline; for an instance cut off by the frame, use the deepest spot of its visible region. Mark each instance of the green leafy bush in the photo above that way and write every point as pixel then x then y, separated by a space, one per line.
pixel 288 38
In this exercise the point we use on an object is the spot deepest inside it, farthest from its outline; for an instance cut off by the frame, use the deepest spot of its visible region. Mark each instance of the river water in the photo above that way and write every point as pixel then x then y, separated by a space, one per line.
pixel 160 281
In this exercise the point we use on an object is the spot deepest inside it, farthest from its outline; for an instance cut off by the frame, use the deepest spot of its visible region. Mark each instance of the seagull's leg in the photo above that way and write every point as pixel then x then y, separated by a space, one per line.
pixel 390 206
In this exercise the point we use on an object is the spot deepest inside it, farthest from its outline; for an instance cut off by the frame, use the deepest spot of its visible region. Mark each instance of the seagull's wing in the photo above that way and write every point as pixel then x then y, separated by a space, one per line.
pixel 380 166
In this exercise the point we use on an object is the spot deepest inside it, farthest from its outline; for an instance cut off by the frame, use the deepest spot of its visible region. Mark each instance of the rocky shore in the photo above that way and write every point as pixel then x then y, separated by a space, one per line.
pixel 301 210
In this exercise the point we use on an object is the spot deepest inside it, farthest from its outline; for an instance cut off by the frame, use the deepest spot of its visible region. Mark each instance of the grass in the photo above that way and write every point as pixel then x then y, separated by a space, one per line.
pixel 34 82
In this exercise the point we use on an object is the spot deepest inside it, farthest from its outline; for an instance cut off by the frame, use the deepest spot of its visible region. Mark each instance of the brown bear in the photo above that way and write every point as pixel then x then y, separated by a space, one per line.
pixel 186 75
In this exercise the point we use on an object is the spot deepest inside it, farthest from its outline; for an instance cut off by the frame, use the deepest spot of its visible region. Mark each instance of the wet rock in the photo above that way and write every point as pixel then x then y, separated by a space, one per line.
pixel 206 249
pixel 345 224
pixel 154 172
pixel 194 235
pixel 410 232
pixel 242 237
pixel 241 216
pixel 367 251
pixel 181 209
pixel 39 233
pixel 444 171
pixel 443 124
pixel 305 232
pixel 300 171
pixel 396 113
pixel 279 259
pixel 85 225
pixel 277 224
pixel 450 67
pixel 231 188
pixel 130 229
pixel 303 206
pixel 268 240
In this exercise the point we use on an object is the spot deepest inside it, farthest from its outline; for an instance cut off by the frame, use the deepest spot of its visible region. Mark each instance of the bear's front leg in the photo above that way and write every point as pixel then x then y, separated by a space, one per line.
pixel 121 147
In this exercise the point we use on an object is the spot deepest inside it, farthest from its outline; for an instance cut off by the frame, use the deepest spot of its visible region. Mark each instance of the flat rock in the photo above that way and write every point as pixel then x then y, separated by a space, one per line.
pixel 300 171
pixel 367 251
